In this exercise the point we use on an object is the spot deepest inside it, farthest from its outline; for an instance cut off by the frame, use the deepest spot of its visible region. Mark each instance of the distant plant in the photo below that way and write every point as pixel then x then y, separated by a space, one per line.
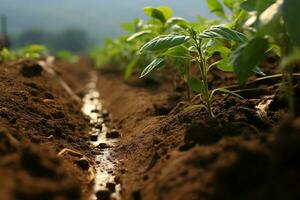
pixel 195 45
pixel 123 52
pixel 33 51
pixel 6 55
pixel 28 52
pixel 67 56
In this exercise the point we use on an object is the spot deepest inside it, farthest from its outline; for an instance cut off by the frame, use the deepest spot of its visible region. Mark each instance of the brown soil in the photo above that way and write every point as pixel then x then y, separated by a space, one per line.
pixel 164 152
pixel 37 120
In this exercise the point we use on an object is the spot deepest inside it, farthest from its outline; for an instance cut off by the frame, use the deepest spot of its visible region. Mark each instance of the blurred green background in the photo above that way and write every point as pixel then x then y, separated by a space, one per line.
pixel 78 25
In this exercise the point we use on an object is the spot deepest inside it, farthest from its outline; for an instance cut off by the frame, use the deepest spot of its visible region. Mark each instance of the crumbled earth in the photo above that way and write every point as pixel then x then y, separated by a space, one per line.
pixel 164 153
pixel 167 153
pixel 38 119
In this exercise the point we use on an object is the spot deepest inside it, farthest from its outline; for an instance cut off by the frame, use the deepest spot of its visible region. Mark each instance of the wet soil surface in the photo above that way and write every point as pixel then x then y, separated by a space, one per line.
pixel 58 142
pixel 46 133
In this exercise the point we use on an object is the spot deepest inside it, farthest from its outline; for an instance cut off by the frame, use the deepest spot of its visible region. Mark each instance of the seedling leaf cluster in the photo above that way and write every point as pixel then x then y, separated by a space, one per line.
pixel 242 35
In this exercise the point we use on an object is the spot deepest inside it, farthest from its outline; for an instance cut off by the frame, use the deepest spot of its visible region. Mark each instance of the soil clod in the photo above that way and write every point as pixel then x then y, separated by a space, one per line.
pixel 94 137
pixel 111 187
pixel 113 134
pixel 83 163
pixel 103 195
pixel 31 70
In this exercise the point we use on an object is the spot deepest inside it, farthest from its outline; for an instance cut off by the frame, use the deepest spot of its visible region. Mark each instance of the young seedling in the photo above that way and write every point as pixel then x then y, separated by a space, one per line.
pixel 196 46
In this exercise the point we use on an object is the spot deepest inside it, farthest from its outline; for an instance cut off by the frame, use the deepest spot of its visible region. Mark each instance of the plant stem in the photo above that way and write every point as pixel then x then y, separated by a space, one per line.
pixel 290 91
pixel 203 71
pixel 187 85
pixel 288 76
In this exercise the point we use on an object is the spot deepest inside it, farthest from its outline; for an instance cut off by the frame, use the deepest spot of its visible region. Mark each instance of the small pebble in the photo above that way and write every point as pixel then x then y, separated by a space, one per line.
pixel 94 137
pixel 83 163
pixel 95 111
pixel 48 101
pixel 113 134
pixel 103 195
pixel 111 187
pixel 104 146
pixel 98 126
pixel 105 113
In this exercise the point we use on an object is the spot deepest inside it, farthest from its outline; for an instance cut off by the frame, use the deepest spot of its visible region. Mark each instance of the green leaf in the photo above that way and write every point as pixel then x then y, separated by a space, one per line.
pixel 271 12
pixel 164 42
pixel 5 53
pixel 130 67
pixel 197 85
pixel 158 13
pixel 222 32
pixel 270 21
pixel 179 52
pixel 167 11
pixel 217 46
pixel 35 48
pixel 225 91
pixel 257 70
pixel 216 7
pixel 229 3
pixel 178 21
pixel 138 34
pixel 256 5
pixel 291 59
pixel 195 107
pixel 247 57
pixel 291 15
pixel 155 64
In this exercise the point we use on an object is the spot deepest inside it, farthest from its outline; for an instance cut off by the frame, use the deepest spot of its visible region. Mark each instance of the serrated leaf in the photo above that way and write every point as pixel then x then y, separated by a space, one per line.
pixel 222 32
pixel 165 42
pixel 138 34
pixel 291 15
pixel 197 85
pixel 247 57
pixel 216 7
pixel 155 64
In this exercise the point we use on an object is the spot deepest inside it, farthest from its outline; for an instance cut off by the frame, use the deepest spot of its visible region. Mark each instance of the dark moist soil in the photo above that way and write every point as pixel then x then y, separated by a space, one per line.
pixel 166 153
pixel 37 120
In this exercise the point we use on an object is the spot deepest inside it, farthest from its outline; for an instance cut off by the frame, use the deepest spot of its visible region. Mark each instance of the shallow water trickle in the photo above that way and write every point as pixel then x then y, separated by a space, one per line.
pixel 104 181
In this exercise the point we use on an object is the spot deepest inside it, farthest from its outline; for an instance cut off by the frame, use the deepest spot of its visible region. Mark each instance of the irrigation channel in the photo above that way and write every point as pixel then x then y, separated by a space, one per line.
pixel 104 181
pixel 102 139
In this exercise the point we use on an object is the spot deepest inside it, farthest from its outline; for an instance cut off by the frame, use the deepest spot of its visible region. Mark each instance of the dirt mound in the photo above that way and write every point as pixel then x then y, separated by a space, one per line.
pixel 167 153
pixel 37 120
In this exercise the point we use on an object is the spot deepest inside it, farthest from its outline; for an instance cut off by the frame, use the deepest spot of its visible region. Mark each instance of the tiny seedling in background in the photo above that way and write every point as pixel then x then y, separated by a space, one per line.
pixel 27 52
